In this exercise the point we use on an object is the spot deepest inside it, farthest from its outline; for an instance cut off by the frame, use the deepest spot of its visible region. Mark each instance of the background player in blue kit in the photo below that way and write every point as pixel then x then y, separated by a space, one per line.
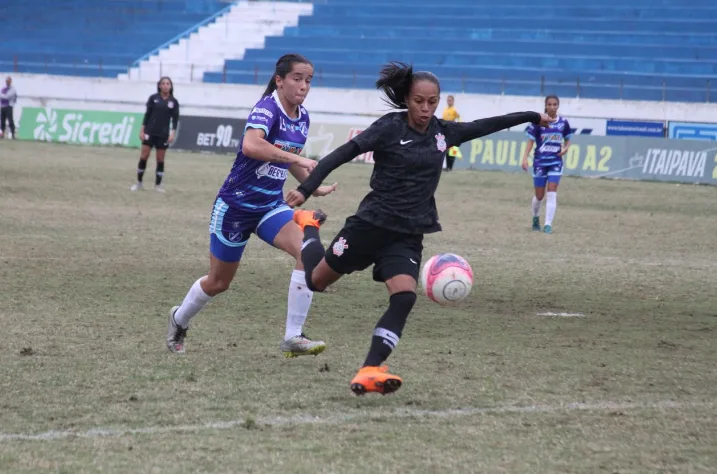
pixel 551 143
pixel 251 201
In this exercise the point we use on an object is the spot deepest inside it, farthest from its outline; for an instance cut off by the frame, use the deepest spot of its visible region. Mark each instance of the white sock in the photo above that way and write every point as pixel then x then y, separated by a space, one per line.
pixel 298 305
pixel 550 207
pixel 192 304
pixel 536 206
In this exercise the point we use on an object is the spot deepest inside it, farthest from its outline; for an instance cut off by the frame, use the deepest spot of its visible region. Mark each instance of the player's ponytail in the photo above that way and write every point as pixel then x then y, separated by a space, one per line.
pixel 283 67
pixel 557 99
pixel 396 79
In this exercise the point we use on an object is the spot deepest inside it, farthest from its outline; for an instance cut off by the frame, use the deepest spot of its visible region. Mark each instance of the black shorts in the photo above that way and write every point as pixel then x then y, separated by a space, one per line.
pixel 160 143
pixel 360 244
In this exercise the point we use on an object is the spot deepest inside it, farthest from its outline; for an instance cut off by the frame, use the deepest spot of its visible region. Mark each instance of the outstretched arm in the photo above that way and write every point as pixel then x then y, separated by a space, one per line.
pixel 175 121
pixel 343 154
pixel 255 146
pixel 368 140
pixel 145 119
pixel 302 173
pixel 467 131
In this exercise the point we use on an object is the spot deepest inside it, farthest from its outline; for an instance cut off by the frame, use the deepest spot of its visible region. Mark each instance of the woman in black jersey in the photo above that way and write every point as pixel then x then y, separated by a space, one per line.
pixel 161 115
pixel 387 231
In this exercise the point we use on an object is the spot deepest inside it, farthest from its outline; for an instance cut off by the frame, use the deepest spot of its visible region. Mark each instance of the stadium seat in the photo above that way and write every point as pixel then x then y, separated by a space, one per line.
pixel 92 38
pixel 641 50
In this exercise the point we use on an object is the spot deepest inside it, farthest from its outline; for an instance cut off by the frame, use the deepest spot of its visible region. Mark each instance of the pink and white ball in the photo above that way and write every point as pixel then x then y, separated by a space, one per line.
pixel 447 278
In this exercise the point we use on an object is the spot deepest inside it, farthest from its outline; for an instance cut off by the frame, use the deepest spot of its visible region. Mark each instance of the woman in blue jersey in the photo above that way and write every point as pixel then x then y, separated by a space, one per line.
pixel 551 143
pixel 251 201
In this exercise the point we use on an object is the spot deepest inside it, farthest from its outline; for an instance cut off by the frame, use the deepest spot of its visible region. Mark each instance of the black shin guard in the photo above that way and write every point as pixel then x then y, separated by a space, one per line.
pixel 390 327
pixel 140 170
pixel 159 174
pixel 311 253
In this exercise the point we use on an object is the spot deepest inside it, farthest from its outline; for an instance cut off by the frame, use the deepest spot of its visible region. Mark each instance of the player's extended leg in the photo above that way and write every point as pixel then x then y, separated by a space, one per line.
pixel 551 203
pixel 319 275
pixel 539 180
pixel 278 229
pixel 226 248
pixel 220 276
pixel 553 177
pixel 3 120
pixel 374 377
pixel 143 157
pixel 159 172
pixel 11 121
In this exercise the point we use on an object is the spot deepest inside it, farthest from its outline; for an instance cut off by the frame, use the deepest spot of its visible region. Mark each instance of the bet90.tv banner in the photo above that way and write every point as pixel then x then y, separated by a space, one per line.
pixel 208 134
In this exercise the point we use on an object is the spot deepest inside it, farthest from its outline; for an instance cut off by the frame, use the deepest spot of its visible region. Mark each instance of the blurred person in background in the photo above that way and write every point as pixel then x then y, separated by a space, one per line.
pixel 8 97
pixel 450 114
pixel 551 143
pixel 161 115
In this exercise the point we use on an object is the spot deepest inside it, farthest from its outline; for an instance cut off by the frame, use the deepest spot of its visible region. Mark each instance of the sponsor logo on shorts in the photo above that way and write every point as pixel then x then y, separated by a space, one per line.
pixel 340 246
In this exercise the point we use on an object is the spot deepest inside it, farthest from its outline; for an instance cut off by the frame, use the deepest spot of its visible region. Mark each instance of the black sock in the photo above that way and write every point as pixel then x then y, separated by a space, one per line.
pixel 159 173
pixel 311 253
pixel 389 328
pixel 140 170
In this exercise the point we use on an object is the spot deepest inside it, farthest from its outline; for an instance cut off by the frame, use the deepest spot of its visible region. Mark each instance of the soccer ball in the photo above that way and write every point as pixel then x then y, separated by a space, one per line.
pixel 447 278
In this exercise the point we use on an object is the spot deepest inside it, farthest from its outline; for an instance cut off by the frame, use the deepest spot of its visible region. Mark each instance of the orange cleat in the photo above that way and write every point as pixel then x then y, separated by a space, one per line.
pixel 309 218
pixel 375 379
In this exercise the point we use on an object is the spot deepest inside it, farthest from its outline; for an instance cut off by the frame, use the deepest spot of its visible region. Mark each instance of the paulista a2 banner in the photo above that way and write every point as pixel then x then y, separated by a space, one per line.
pixel 638 158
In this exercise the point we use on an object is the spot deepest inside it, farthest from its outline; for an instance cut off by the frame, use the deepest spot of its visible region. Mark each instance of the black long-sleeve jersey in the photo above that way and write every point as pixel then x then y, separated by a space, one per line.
pixel 158 115
pixel 408 166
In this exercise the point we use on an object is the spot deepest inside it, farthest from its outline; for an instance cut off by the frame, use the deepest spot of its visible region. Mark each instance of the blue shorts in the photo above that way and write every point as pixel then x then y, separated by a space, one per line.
pixel 231 227
pixel 547 174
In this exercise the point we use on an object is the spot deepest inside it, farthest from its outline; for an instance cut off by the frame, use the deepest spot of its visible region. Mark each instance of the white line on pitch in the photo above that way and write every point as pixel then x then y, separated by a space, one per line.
pixel 562 315
pixel 358 416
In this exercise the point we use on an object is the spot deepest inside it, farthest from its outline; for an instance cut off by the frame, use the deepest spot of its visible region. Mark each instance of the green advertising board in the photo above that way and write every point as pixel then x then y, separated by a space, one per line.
pixel 85 127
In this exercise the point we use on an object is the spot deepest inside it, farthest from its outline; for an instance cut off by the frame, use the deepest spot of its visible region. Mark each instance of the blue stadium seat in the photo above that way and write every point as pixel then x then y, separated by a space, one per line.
pixel 640 50
pixel 92 38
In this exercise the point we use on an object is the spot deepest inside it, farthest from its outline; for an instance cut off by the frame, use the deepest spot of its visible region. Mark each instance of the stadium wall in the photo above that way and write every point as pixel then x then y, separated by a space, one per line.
pixel 635 158
pixel 342 105
pixel 110 113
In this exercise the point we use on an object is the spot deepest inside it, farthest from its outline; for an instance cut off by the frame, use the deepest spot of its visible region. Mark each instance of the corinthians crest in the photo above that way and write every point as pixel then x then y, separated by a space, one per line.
pixel 441 142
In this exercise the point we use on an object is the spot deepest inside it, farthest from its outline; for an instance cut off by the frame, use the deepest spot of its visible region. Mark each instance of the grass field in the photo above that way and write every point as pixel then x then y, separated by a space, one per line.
pixel 89 270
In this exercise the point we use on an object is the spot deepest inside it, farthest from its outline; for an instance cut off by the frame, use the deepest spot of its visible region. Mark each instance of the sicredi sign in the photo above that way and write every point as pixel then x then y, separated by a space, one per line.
pixel 86 127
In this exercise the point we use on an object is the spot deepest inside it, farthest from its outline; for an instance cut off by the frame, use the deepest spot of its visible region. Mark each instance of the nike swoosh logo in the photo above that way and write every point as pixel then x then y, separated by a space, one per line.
pixel 413 261
pixel 406 142
pixel 307 243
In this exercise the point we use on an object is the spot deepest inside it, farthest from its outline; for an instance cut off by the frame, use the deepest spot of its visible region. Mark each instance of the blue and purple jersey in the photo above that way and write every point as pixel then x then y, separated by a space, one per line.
pixel 255 185
pixel 549 141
